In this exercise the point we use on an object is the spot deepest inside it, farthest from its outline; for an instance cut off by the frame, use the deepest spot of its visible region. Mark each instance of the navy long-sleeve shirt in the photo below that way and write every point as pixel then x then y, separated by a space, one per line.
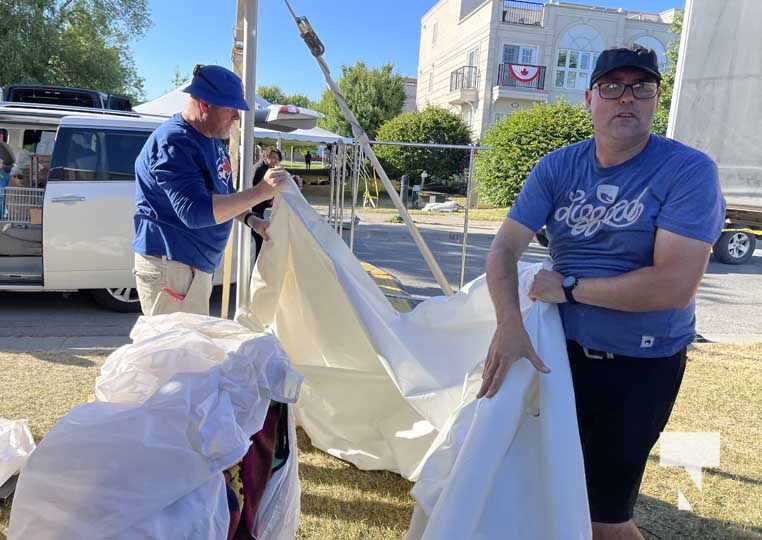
pixel 176 174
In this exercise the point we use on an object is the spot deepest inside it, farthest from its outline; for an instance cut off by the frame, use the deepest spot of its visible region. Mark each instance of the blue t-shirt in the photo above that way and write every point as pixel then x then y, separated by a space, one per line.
pixel 176 174
pixel 602 221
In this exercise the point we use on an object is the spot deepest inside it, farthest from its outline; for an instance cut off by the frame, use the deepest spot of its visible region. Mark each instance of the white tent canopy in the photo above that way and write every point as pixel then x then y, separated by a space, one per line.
pixel 315 135
pixel 175 101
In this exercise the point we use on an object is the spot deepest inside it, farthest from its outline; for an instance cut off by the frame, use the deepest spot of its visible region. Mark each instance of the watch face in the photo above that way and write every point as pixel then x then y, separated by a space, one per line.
pixel 569 281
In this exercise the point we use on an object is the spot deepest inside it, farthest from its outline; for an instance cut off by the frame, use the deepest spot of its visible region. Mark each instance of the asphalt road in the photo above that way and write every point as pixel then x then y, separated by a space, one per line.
pixel 727 305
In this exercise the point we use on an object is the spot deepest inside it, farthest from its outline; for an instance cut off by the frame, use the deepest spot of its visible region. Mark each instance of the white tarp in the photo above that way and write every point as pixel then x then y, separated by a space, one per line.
pixel 716 105
pixel 16 445
pixel 381 386
pixel 177 407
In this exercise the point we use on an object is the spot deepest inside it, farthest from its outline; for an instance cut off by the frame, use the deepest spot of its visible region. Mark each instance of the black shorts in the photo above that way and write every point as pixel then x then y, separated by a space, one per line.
pixel 623 404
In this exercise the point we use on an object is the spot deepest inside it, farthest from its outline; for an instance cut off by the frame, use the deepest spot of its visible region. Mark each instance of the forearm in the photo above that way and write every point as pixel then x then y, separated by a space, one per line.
pixel 502 282
pixel 236 205
pixel 646 289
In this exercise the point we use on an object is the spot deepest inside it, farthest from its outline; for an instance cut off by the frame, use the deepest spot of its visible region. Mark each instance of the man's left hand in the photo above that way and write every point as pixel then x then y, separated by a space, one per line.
pixel 547 287
pixel 259 226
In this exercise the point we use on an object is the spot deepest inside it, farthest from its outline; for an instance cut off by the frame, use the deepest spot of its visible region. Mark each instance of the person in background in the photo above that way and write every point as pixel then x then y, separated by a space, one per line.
pixel 308 159
pixel 7 158
pixel 271 158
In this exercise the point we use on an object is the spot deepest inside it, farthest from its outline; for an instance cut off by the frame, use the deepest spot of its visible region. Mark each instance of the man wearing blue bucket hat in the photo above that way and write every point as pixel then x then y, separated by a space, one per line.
pixel 185 199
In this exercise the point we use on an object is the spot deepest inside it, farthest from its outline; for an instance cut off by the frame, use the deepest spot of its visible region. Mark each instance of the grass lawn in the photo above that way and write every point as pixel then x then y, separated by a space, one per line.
pixel 722 391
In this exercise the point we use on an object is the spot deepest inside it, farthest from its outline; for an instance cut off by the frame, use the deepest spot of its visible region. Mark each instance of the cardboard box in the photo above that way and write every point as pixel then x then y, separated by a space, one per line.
pixel 35 216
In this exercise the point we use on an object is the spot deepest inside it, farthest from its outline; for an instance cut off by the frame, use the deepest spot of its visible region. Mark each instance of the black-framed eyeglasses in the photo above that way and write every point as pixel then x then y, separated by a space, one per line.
pixel 198 73
pixel 615 90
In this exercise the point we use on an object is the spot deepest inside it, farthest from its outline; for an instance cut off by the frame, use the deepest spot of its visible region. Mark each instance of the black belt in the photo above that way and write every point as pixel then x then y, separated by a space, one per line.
pixel 597 355
pixel 594 354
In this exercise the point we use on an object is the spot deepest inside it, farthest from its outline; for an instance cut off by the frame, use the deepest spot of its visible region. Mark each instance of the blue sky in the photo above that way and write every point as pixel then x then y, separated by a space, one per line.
pixel 190 32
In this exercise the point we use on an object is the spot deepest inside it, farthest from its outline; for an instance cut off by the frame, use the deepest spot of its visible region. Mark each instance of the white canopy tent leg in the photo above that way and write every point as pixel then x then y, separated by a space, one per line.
pixel 249 10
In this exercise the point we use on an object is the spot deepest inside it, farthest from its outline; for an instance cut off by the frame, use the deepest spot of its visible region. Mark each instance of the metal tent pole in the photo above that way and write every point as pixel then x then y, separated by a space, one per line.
pixel 355 189
pixel 317 50
pixel 469 189
pixel 247 145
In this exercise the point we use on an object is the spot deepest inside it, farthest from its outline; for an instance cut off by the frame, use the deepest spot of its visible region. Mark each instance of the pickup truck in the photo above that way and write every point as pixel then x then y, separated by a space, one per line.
pixel 716 108
pixel 66 216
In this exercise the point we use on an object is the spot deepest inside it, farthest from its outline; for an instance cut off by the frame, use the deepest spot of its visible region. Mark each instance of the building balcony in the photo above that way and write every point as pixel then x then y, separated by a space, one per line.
pixel 464 85
pixel 521 81
pixel 518 12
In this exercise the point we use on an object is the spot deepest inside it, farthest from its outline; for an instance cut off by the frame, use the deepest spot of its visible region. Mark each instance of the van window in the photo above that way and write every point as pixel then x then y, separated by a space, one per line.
pixel 96 154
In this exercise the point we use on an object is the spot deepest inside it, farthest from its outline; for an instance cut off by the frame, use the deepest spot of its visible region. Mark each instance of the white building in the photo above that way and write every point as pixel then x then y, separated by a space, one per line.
pixel 411 92
pixel 488 58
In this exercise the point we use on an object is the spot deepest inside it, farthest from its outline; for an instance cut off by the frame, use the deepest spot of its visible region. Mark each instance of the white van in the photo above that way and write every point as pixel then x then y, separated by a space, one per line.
pixel 66 220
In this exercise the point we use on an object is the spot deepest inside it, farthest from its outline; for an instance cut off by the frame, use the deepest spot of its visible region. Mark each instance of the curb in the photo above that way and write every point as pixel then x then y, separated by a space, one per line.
pixel 389 284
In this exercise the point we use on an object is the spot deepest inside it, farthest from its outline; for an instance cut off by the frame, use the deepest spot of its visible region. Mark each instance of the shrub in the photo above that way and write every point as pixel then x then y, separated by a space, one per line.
pixel 520 141
pixel 432 125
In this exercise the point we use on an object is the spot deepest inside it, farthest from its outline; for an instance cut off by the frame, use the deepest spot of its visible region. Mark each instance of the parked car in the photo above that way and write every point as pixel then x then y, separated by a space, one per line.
pixel 67 221
pixel 65 96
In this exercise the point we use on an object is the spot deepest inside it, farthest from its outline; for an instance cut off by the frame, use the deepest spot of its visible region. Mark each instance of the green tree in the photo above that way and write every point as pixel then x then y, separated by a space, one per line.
pixel 273 94
pixel 178 79
pixel 374 96
pixel 520 141
pixel 668 77
pixel 300 100
pixel 432 125
pixel 72 42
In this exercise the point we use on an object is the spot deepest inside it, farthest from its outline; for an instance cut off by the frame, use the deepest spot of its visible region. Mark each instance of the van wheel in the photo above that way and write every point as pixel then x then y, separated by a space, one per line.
pixel 123 299
pixel 734 247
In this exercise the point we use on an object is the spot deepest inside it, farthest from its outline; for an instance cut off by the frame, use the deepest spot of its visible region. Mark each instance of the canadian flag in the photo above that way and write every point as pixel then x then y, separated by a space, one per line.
pixel 524 73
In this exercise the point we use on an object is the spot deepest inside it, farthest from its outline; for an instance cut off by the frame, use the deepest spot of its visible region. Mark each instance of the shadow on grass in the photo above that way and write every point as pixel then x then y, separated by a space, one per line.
pixel 5 514
pixel 658 520
pixel 66 358
pixel 721 474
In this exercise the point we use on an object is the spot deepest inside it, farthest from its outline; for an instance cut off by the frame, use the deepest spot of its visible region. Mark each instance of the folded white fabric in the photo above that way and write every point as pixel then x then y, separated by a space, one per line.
pixel 385 390
pixel 148 463
pixel 510 466
pixel 16 444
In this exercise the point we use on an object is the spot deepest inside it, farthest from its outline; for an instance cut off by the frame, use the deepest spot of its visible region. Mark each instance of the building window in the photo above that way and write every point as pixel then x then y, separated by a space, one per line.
pixel 578 49
pixel 499 117
pixel 434 34
pixel 573 69
pixel 467 114
pixel 431 83
pixel 519 54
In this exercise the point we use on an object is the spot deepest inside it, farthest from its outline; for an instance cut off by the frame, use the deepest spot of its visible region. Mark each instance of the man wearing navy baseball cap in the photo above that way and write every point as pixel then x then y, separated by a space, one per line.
pixel 631 218
pixel 185 199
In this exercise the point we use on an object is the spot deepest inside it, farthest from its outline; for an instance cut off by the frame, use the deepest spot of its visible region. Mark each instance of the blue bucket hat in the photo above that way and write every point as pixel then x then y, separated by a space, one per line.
pixel 218 86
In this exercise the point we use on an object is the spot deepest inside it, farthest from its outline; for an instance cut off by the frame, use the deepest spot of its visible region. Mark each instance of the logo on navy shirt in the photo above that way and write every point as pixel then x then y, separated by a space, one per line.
pixel 224 168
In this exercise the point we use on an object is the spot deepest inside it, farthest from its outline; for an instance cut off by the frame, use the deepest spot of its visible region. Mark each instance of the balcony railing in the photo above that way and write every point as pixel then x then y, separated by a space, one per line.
pixel 463 78
pixel 518 12
pixel 523 76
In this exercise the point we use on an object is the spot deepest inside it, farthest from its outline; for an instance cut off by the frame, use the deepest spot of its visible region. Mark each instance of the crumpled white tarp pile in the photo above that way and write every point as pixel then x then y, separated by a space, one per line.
pixel 385 390
pixel 16 444
pixel 175 409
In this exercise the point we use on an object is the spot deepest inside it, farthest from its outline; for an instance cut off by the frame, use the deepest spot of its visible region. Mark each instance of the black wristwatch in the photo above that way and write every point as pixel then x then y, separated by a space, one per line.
pixel 568 284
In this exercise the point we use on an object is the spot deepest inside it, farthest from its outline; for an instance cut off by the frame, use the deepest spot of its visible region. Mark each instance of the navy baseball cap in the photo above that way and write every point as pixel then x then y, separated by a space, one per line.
pixel 218 86
pixel 635 56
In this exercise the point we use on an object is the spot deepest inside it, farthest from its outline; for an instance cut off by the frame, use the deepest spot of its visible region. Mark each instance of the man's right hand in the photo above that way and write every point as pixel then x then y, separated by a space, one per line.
pixel 273 180
pixel 507 348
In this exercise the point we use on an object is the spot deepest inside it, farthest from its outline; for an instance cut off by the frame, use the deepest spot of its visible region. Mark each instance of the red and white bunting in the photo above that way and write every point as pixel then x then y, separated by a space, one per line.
pixel 524 73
